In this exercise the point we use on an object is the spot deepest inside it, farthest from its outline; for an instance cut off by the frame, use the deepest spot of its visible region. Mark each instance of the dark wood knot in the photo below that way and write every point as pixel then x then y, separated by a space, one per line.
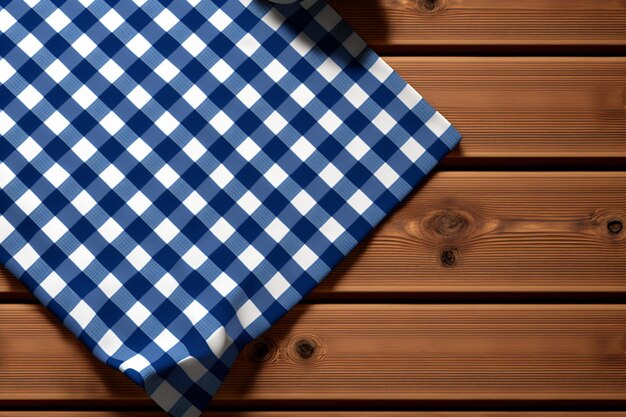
pixel 262 350
pixel 429 4
pixel 305 348
pixel 449 257
pixel 615 226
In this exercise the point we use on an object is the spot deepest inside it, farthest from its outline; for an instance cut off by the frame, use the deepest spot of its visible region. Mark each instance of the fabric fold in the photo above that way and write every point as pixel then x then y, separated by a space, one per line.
pixel 175 176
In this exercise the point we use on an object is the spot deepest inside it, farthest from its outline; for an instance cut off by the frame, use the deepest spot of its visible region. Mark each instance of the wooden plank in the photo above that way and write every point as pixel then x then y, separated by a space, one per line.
pixel 497 232
pixel 487 232
pixel 413 26
pixel 361 354
pixel 533 108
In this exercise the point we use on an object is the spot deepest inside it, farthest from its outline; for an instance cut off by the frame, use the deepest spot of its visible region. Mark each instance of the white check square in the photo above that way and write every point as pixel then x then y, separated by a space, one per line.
pixel 82 314
pixel 139 97
pixel 112 20
pixel 112 123
pixel 166 340
pixel 57 123
pixel 56 175
pixel 195 312
pixel 194 257
pixel 111 71
pixel 194 96
pixel 277 230
pixel 84 202
pixel 53 284
pixel 84 97
pixel 30 45
pixel 223 284
pixel 82 257
pixel 194 45
pixel 55 229
pixel 110 342
pixel 138 313
pixel 221 70
pixel 26 257
pixel 84 45
pixel 57 71
pixel 28 202
pixel 110 230
pixel 166 230
pixel 222 230
pixel 30 96
pixel 248 44
pixel 251 257
pixel 277 285
pixel 194 202
pixel 248 313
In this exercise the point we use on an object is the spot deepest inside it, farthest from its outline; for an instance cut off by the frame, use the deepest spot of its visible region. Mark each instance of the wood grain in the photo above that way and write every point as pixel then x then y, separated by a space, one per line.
pixel 533 108
pixel 498 232
pixel 411 25
pixel 362 354
pixel 465 232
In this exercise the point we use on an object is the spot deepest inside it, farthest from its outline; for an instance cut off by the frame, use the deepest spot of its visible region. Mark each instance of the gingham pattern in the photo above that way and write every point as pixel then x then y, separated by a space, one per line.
pixel 176 175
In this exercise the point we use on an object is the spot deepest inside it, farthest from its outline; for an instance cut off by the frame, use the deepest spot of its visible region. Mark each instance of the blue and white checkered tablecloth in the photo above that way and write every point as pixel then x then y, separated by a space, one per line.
pixel 176 175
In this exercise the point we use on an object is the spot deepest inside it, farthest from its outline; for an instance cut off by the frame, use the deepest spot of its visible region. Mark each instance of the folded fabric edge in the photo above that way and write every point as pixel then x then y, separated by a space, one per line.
pixel 194 377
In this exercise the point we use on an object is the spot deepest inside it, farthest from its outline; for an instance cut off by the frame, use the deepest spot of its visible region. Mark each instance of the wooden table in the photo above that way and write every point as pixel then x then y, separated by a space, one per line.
pixel 498 286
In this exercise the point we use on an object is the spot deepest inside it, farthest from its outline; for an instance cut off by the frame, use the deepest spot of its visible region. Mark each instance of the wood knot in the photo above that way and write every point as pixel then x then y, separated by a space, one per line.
pixel 451 224
pixel 449 257
pixel 305 348
pixel 430 6
pixel 615 226
pixel 607 224
pixel 262 350
pixel 447 224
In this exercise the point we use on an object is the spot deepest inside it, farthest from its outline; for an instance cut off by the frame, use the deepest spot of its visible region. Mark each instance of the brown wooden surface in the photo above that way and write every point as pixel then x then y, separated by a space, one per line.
pixel 538 90
pixel 411 25
pixel 539 232
pixel 536 108
pixel 363 353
